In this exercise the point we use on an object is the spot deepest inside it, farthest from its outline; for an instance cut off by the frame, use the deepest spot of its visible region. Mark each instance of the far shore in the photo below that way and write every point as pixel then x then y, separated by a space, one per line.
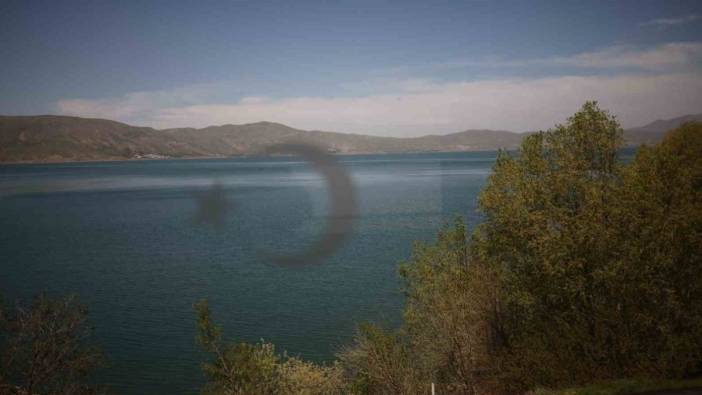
pixel 67 160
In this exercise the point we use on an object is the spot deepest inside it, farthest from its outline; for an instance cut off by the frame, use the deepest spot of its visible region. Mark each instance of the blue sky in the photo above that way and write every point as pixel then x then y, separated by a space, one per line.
pixel 385 68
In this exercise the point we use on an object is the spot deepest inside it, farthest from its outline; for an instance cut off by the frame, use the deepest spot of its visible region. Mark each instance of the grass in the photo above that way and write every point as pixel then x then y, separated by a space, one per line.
pixel 623 387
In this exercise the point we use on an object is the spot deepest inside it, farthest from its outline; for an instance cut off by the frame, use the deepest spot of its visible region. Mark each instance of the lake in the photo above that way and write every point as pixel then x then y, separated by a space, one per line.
pixel 123 237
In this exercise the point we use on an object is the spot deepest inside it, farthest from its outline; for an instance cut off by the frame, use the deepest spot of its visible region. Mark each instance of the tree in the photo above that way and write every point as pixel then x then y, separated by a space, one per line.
pixel 545 230
pixel 450 315
pixel 44 349
pixel 598 261
pixel 659 253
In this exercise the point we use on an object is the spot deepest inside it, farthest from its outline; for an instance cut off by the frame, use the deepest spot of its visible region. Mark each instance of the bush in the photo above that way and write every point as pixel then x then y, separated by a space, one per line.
pixel 306 378
pixel 44 349
pixel 253 369
pixel 379 363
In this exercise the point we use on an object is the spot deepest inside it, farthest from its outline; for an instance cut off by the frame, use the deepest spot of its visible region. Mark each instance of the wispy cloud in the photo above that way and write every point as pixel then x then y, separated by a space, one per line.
pixel 682 55
pixel 659 82
pixel 672 21
pixel 139 105
pixel 513 104
pixel 663 57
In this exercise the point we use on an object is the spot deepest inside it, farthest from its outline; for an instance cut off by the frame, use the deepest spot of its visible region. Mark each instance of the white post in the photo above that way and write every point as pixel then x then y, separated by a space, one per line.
pixel 432 389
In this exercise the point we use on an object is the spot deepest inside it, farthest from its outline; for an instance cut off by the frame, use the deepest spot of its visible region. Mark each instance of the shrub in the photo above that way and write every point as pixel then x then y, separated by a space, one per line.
pixel 379 363
pixel 44 349
pixel 254 369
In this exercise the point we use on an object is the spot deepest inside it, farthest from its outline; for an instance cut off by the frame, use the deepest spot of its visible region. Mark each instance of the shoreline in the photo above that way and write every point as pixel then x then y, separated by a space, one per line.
pixel 68 161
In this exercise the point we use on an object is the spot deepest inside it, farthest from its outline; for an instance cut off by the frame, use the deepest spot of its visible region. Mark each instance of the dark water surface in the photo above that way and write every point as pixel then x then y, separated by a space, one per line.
pixel 123 237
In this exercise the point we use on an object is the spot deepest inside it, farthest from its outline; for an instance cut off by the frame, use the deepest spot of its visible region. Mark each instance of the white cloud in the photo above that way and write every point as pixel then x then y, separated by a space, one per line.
pixel 663 57
pixel 672 21
pixel 670 56
pixel 665 82
pixel 512 104
pixel 137 106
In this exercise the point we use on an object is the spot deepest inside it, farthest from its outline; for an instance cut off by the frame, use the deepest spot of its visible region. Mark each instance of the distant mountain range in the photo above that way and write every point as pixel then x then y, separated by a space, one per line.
pixel 50 138
pixel 654 131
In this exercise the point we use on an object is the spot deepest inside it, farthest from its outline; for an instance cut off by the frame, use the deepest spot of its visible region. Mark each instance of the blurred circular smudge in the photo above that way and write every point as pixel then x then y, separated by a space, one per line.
pixel 343 204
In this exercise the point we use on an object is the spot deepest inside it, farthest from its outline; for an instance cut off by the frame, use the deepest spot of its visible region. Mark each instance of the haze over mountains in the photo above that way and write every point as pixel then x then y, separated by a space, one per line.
pixel 50 138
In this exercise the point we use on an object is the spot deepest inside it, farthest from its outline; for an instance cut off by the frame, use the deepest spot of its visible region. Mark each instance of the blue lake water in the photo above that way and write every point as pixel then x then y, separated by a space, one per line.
pixel 123 237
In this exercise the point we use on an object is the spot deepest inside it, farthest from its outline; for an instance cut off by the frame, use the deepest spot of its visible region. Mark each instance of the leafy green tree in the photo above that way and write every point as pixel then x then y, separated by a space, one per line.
pixel 659 254
pixel 546 231
pixel 44 349
pixel 597 278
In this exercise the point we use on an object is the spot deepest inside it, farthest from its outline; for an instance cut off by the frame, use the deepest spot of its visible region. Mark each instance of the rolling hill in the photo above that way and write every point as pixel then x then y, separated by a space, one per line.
pixel 654 131
pixel 50 138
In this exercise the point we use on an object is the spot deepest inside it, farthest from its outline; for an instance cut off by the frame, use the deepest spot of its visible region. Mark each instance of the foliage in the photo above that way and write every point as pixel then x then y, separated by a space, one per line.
pixel 546 229
pixel 449 335
pixel 379 362
pixel 659 254
pixel 450 315
pixel 44 349
pixel 306 378
pixel 599 262
pixel 252 369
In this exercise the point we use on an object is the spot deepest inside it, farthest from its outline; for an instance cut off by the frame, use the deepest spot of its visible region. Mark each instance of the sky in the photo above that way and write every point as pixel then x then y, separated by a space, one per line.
pixel 382 68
